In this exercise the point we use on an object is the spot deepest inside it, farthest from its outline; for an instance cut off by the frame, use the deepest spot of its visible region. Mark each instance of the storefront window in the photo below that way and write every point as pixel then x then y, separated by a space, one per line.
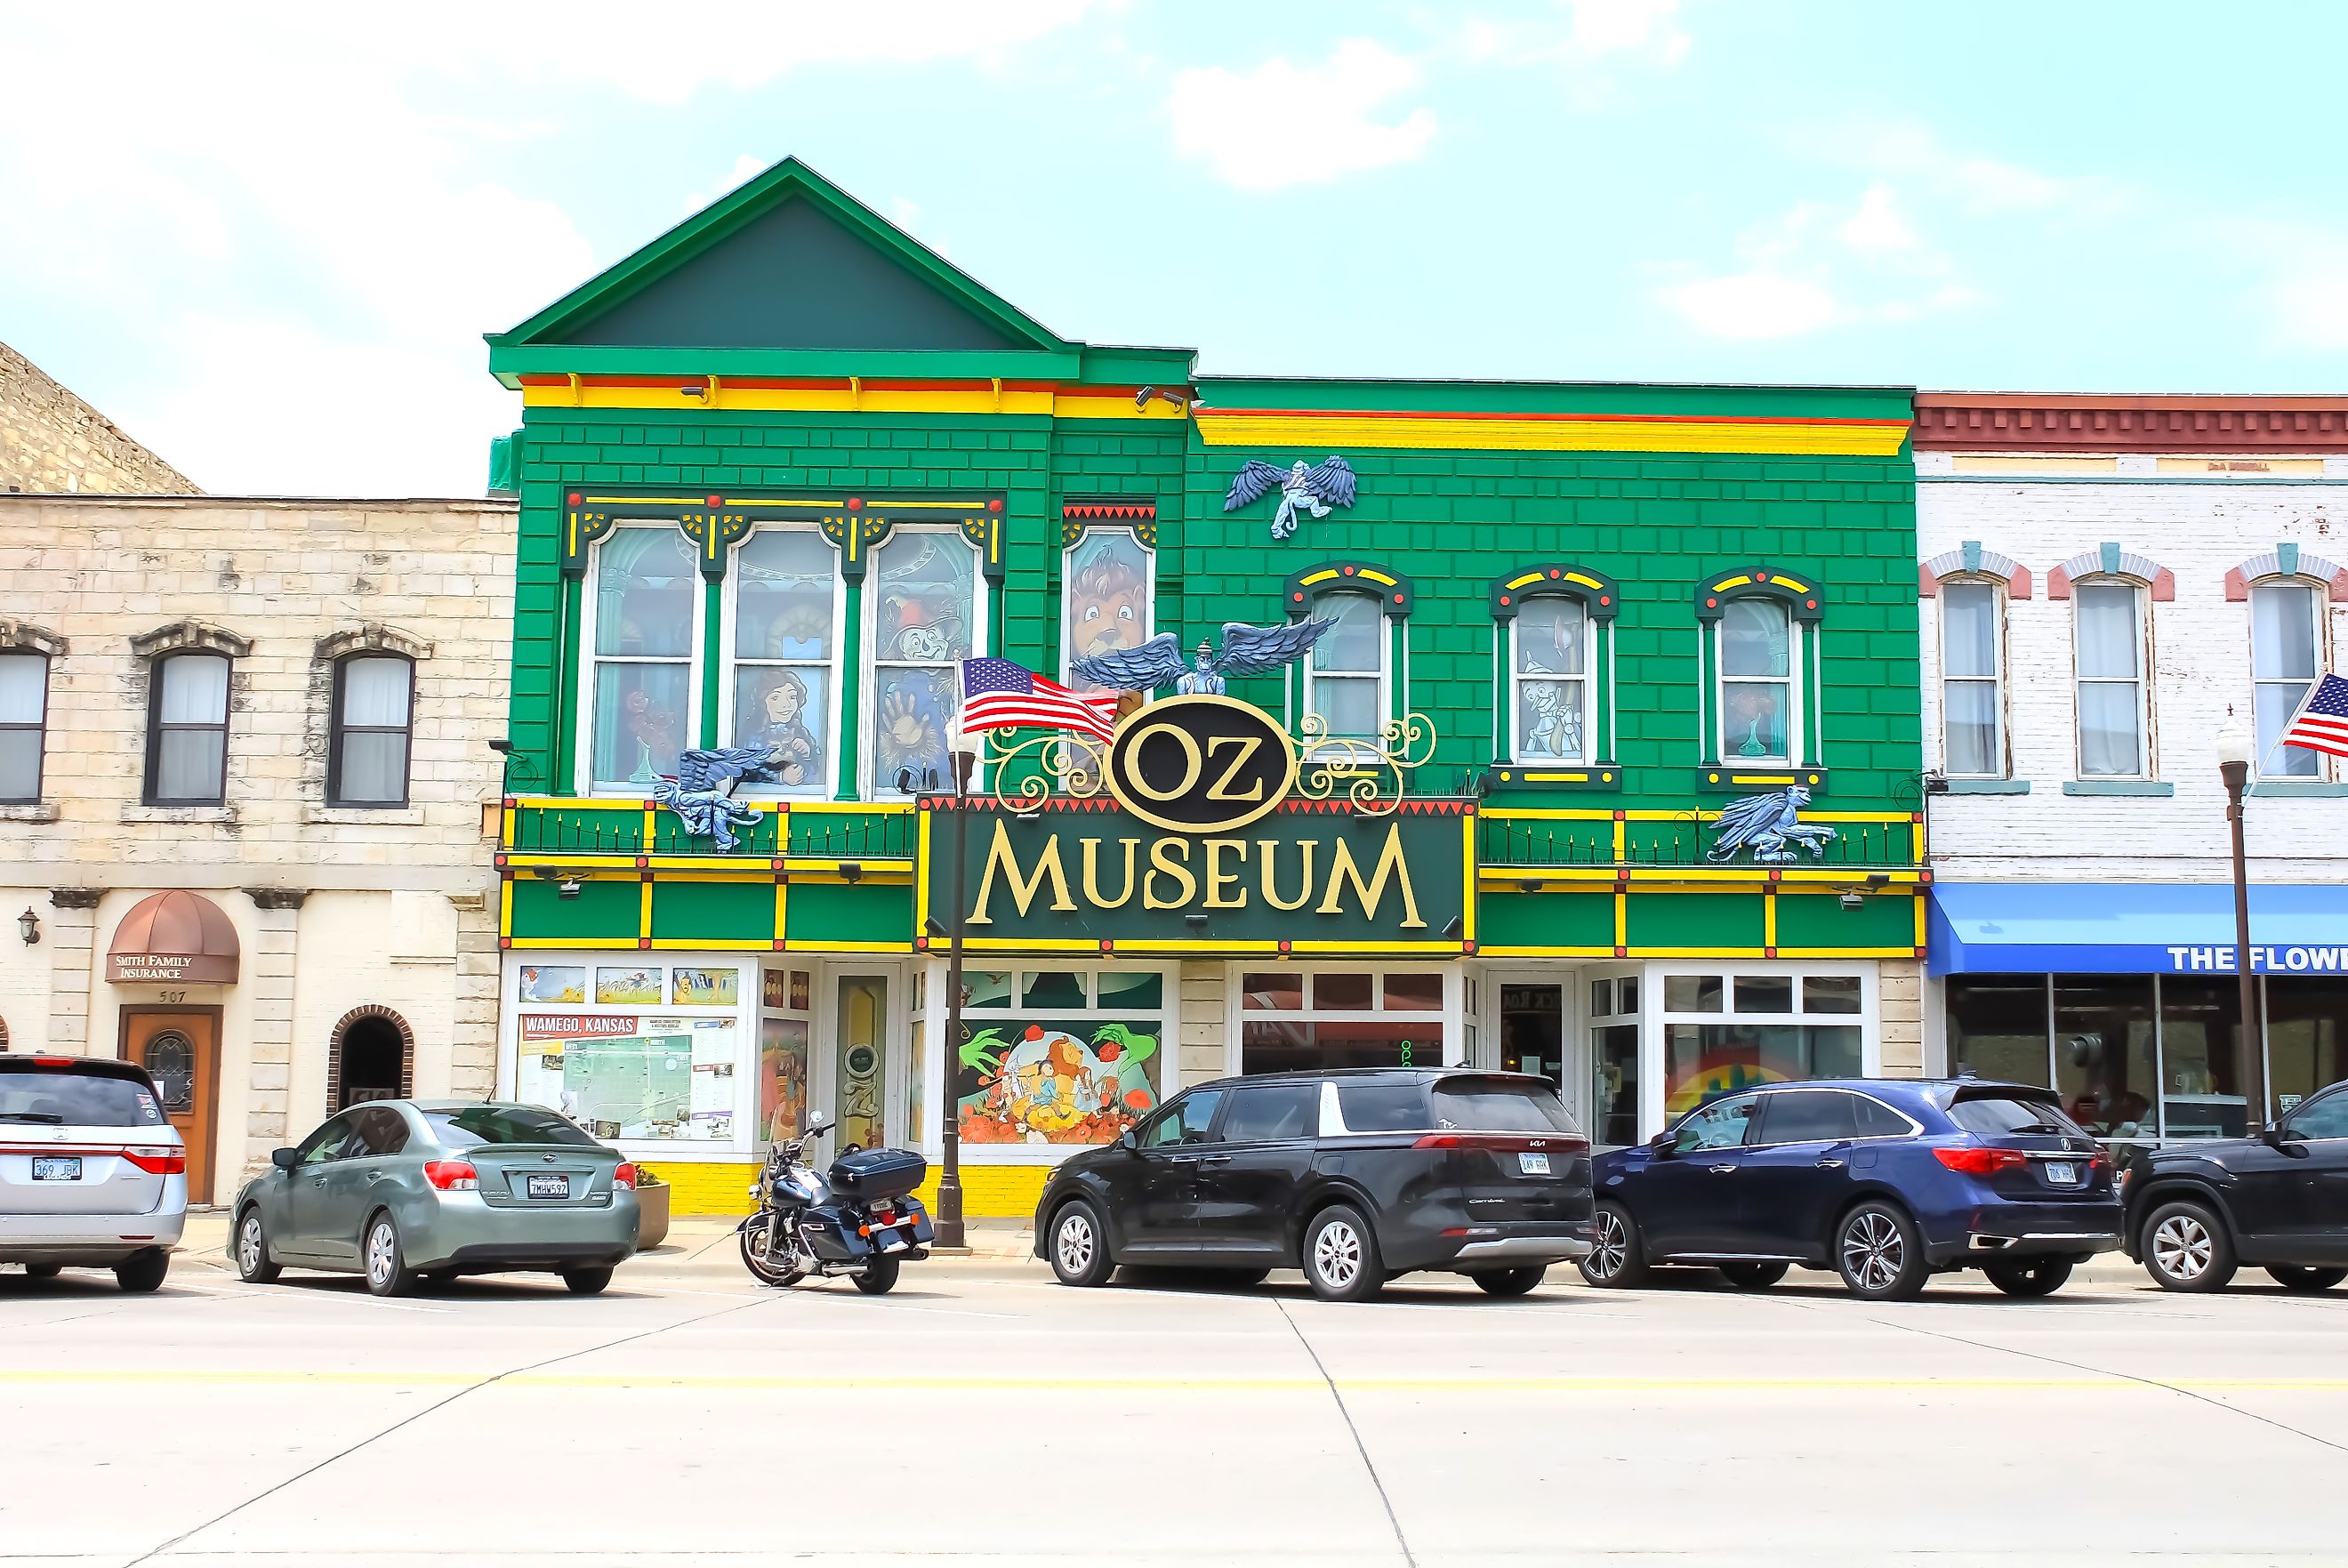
pixel 1291 1019
pixel 2201 1047
pixel 1077 1063
pixel 2307 1036
pixel 1997 1027
pixel 2104 1067
pixel 1734 1048
pixel 1614 1061
pixel 783 1031
pixel 629 1068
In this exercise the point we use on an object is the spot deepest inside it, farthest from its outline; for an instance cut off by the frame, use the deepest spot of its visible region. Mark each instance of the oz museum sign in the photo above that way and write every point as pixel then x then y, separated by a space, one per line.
pixel 1201 830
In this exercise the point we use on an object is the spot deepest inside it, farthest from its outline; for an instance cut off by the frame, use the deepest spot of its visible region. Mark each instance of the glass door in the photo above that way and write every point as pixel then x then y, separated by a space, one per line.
pixel 861 1027
pixel 1613 1119
pixel 1538 1036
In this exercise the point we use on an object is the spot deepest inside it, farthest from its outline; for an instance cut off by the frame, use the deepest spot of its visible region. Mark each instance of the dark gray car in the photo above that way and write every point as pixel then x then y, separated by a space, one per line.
pixel 401 1190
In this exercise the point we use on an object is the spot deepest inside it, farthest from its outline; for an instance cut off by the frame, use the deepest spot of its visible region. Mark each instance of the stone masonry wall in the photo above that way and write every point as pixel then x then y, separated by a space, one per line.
pixel 53 442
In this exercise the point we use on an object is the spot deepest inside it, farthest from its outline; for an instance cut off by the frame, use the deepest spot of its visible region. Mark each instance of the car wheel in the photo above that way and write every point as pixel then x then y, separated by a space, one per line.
pixel 1879 1254
pixel 1341 1256
pixel 2186 1247
pixel 880 1276
pixel 253 1264
pixel 1080 1247
pixel 1753 1276
pixel 587 1281
pixel 1509 1281
pixel 2037 1276
pixel 2307 1279
pixel 44 1271
pixel 387 1273
pixel 143 1271
pixel 1617 1257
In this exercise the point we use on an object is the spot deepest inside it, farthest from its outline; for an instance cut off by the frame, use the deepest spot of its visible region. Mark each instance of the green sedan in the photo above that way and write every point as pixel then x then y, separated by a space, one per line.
pixel 402 1190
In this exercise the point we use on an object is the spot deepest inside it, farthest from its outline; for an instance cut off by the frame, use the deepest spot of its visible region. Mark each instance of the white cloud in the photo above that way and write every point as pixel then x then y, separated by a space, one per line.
pixel 1282 125
pixel 1751 305
pixel 1821 264
pixel 1877 225
pixel 1604 26
pixel 1581 33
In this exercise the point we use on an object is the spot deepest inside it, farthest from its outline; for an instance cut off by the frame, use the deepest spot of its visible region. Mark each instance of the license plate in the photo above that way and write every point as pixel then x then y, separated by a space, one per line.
pixel 2061 1172
pixel 549 1187
pixel 1533 1164
pixel 57 1168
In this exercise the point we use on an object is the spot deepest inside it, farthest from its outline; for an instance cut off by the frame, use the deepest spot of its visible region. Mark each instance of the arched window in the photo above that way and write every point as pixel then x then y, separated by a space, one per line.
pixel 372 1056
pixel 1972 678
pixel 1554 625
pixel 368 739
pixel 1350 678
pixel 1761 655
pixel 785 695
pixel 2287 618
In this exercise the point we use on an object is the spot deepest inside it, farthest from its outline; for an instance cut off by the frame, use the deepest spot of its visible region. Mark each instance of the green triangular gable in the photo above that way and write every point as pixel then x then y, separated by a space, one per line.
pixel 788 263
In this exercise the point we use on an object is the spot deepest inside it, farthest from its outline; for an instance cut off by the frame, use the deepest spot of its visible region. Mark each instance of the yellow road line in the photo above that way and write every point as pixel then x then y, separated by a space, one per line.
pixel 920 1383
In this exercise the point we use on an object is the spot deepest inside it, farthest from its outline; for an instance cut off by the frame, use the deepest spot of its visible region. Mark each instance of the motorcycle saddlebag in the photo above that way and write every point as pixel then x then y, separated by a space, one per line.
pixel 830 1233
pixel 871 1173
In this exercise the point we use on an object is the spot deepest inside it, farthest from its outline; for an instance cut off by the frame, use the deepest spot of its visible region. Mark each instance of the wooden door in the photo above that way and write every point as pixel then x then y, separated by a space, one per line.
pixel 180 1049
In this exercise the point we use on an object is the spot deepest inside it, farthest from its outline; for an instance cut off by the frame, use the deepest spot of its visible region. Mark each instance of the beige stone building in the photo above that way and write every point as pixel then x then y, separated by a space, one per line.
pixel 245 760
pixel 50 440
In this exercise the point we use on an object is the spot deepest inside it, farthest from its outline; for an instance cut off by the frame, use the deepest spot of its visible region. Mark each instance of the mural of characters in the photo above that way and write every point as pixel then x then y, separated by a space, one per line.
pixel 1041 1083
pixel 1551 719
pixel 925 599
pixel 782 1076
pixel 915 712
pixel 780 723
pixel 1109 598
pixel 652 727
pixel 801 625
pixel 543 984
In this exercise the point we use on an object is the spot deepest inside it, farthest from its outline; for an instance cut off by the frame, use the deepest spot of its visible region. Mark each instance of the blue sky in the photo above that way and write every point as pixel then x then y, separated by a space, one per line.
pixel 267 241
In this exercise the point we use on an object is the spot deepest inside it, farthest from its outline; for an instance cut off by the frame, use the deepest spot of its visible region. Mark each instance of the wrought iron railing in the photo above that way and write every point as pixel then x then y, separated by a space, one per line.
pixel 618 828
pixel 1680 838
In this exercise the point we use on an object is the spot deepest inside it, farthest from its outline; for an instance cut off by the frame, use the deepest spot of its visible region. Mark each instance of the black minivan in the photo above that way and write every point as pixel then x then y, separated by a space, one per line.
pixel 1354 1176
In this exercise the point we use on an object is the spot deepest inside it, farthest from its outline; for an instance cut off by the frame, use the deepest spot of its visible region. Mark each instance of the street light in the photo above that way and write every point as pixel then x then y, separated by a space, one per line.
pixel 2234 749
pixel 948 1216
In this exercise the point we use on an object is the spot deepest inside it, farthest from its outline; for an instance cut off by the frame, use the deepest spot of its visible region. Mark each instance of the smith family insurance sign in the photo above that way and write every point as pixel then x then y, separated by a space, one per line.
pixel 1201 842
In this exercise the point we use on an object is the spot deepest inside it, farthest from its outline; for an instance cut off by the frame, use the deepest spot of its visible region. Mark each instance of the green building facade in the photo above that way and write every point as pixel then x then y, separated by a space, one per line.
pixel 783 467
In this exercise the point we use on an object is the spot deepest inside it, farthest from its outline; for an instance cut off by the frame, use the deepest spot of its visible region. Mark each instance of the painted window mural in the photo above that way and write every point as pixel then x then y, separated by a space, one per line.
pixel 924 615
pixel 1057 1056
pixel 1553 665
pixel 646 589
pixel 1757 680
pixel 785 647
pixel 1105 604
pixel 1727 1032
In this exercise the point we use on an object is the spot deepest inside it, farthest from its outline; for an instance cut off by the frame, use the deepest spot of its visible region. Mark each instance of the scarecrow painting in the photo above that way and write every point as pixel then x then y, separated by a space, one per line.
pixel 1042 1083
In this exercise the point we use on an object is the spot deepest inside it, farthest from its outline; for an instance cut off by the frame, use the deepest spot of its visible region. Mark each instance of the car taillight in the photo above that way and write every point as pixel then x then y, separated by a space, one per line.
pixel 159 1161
pixel 453 1175
pixel 1438 1141
pixel 625 1175
pixel 1981 1161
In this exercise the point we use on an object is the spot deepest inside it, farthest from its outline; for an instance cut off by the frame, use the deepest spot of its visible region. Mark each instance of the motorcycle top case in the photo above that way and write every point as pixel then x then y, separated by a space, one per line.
pixel 871 1173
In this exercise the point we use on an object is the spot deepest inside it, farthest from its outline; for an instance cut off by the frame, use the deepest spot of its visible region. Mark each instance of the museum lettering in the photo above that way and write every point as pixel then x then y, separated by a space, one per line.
pixel 1166 872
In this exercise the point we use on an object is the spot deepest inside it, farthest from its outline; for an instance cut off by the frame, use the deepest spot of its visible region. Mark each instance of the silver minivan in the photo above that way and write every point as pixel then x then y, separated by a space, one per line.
pixel 91 1174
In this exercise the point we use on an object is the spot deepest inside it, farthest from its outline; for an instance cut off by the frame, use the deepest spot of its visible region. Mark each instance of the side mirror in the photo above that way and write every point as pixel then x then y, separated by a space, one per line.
pixel 817 1123
pixel 1661 1145
pixel 1129 1141
pixel 285 1158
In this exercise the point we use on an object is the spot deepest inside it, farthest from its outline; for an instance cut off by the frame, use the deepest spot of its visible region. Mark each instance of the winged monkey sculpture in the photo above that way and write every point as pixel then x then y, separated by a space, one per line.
pixel 1246 651
pixel 1769 825
pixel 1313 490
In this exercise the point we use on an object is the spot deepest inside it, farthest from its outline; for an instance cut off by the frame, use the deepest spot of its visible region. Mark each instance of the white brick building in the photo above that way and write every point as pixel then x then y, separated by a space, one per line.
pixel 282 708
pixel 2106 584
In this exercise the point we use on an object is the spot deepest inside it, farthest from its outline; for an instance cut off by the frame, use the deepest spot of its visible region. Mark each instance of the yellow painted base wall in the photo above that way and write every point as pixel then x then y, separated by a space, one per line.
pixel 988 1192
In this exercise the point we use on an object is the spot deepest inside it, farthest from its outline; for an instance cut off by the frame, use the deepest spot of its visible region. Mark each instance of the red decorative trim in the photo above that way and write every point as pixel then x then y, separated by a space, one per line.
pixel 1927 584
pixel 2164 586
pixel 2018 585
pixel 1117 512
pixel 2057 422
pixel 2058 584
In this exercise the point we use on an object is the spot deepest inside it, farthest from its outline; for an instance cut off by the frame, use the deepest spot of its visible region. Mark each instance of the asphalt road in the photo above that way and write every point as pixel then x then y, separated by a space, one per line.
pixel 984 1414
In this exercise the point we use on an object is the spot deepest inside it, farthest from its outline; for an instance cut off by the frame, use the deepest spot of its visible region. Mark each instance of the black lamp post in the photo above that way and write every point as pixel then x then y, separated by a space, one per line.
pixel 2234 766
pixel 949 1227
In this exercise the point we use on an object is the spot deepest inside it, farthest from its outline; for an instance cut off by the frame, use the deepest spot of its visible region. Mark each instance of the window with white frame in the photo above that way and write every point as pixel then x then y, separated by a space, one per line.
pixel 1104 598
pixel 1292 1018
pixel 1728 1030
pixel 924 613
pixel 2109 658
pixel 2286 655
pixel 1760 665
pixel 1551 655
pixel 24 721
pixel 1346 674
pixel 783 678
pixel 1972 681
pixel 646 619
pixel 1053 1058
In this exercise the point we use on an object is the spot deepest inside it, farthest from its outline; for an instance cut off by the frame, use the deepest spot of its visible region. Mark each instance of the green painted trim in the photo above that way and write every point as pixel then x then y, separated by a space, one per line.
pixel 1602 740
pixel 2118 787
pixel 852 691
pixel 1988 787
pixel 2299 789
pixel 786 180
pixel 1229 394
pixel 563 775
pixel 1720 778
pixel 510 362
pixel 1707 693
pixel 713 653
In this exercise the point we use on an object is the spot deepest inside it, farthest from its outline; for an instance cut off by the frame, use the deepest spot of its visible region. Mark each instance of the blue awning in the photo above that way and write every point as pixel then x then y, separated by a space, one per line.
pixel 2135 928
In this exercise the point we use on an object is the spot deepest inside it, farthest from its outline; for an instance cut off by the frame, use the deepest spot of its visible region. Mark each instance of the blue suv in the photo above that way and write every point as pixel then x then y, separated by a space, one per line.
pixel 1885 1181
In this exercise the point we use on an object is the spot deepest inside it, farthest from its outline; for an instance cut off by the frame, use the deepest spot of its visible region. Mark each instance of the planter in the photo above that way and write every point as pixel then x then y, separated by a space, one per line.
pixel 652 1216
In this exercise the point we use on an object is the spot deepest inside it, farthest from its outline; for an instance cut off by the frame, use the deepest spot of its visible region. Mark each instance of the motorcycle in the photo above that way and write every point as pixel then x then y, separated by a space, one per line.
pixel 858 1218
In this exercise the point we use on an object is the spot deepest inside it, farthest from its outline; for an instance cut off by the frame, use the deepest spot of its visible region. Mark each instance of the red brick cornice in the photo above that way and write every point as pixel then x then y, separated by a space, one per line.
pixel 2085 422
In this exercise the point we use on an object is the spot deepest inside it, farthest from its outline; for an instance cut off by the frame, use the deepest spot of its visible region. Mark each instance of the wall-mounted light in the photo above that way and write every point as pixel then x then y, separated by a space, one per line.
pixel 1853 900
pixel 1454 928
pixel 1197 922
pixel 933 925
pixel 1176 399
pixel 29 926
pixel 567 888
pixel 851 871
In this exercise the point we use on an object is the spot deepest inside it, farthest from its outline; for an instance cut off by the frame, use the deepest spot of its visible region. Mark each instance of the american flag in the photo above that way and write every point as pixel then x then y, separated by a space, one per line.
pixel 999 694
pixel 2322 722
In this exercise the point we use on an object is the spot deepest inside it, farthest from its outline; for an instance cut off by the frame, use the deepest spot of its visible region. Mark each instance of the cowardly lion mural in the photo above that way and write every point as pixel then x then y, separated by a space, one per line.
pixel 1042 1083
